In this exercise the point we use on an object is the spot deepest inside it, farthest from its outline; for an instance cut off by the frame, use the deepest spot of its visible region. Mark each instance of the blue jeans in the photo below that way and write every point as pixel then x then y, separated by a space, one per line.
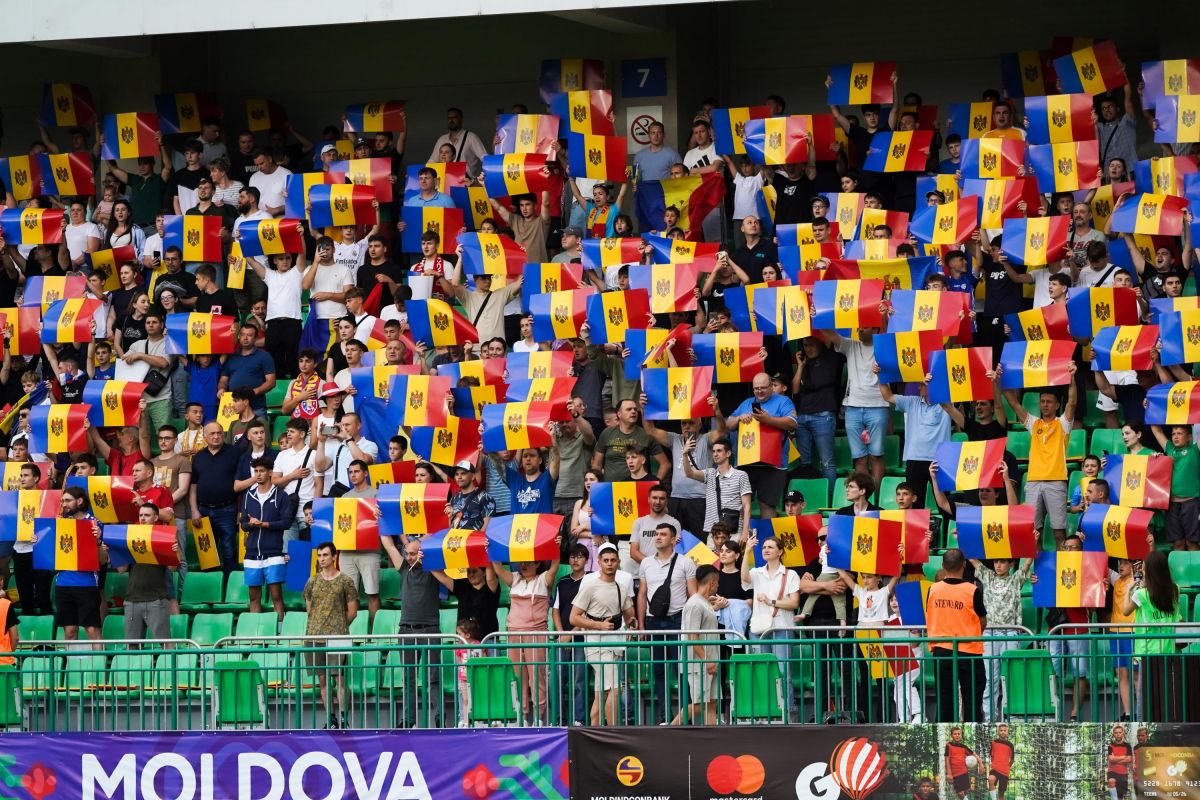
pixel 660 702
pixel 874 421
pixel 818 429
pixel 225 530
pixel 572 678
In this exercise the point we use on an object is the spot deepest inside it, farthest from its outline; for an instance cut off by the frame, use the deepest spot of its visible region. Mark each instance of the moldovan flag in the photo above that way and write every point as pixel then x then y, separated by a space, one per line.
pixel 470 400
pixel 1124 347
pixel 44 291
pixel 872 218
pixel 999 200
pixel 67 105
pixel 455 549
pixel 912 597
pixel 926 310
pixel 142 544
pixel 445 222
pixel 777 140
pixel 583 112
pixel 22 176
pixel 699 552
pixel 947 223
pixel 992 158
pixel 947 184
pixel 66 545
pixel 1031 365
pixel 450 176
pixel 559 315
pixel 20 507
pixel 226 416
pixel 899 151
pixel 512 174
pixel 198 237
pixel 12 475
pixel 423 398
pixel 847 305
pixel 597 157
pixel 864 544
pixel 387 116
pixel 301 564
pixel 542 364
pixel 197 333
pixel 1091 70
pixel 756 307
pixel 349 522
pixel 888 655
pixel 647 348
pixel 987 532
pixel 960 375
pixel 58 428
pixel 491 254
pixel 969 120
pixel 696 196
pixel 526 133
pixel 1139 481
pixel 963 466
pixel 434 323
pixel 412 509
pixel 915 522
pixel 681 251
pixel 268 237
pixel 611 252
pixel 1153 214
pixel 515 426
pixel 1059 119
pixel 524 537
pixel 670 287
pixel 845 208
pixel 263 115
pixel 678 392
pixel 182 112
pixel 376 382
pixel 391 472
pixel 108 262
pixel 1169 78
pixel 205 543
pixel 736 357
pixel 549 277
pixel 796 306
pixel 66 174
pixel 113 403
pixel 905 356
pixel 1122 530
pixel 610 314
pixel 486 371
pixel 896 273
pixel 457 441
pixel 1040 324
pixel 1024 74
pixel 1105 199
pixel 339 205
pixel 797 537
pixel 1091 310
pixel 298 187
pixel 1036 241
pixel 23 339
pixel 1175 119
pixel 69 321
pixel 1066 167
pixel 729 127
pixel 31 226
pixel 616 506
pixel 568 75
pixel 111 497
pixel 555 391
pixel 861 83
pixel 1070 580
pixel 129 136
pixel 1180 331
pixel 759 444
pixel 1164 175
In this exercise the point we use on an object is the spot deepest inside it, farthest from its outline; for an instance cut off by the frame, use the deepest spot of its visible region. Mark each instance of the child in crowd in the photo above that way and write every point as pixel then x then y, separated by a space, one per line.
pixel 828 574
pixel 468 629
pixel 1091 469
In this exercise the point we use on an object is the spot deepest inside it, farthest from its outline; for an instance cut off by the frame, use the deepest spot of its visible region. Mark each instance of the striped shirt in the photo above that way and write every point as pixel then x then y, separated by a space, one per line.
pixel 733 485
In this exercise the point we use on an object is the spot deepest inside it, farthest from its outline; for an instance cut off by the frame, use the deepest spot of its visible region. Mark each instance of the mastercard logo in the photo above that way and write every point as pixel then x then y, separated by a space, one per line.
pixel 630 771
pixel 741 775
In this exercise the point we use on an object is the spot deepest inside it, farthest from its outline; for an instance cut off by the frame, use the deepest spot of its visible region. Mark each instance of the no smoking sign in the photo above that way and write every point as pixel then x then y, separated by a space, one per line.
pixel 640 118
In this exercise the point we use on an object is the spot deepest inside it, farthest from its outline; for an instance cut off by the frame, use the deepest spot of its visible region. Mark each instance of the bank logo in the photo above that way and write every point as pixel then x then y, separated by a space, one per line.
pixel 630 771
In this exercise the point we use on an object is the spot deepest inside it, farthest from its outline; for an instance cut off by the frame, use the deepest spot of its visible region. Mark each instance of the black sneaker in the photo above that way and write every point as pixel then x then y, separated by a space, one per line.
pixel 332 725
pixel 343 724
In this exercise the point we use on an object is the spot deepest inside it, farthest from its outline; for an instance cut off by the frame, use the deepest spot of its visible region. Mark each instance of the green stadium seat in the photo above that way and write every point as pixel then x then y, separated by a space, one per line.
pixel 10 693
pixel 386 622
pixel 447 620
pixel 841 455
pixel 1018 444
pixel 256 625
pixel 1028 680
pixel 891 455
pixel 295 623
pixel 277 428
pixel 363 669
pixel 951 538
pixel 493 687
pixel 241 700
pixel 1031 400
pixel 112 628
pixel 179 626
pixel 1077 445
pixel 1189 286
pixel 932 566
pixel 38 628
pixel 839 495
pixel 277 395
pixel 208 628
pixel 502 618
pixel 128 674
pixel 757 690
pixel 897 421
pixel 1107 441
pixel 887 492
pixel 202 591
pixel 815 491
pixel 361 626
pixel 237 597
pixel 115 584
pixel 1092 416
pixel 389 587
pixel 1009 414
pixel 958 436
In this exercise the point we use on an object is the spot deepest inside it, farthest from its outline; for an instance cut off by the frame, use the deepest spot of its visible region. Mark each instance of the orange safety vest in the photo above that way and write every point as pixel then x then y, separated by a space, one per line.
pixel 6 645
pixel 951 613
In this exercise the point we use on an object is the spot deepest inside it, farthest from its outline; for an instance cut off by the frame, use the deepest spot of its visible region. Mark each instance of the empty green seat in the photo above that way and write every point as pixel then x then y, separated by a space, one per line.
pixel 207 629
pixel 757 692
pixel 493 687
pixel 1028 681
pixel 202 591
pixel 237 596
pixel 240 699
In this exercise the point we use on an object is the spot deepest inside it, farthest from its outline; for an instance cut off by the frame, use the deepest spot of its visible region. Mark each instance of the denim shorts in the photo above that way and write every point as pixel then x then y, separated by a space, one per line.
pixel 874 421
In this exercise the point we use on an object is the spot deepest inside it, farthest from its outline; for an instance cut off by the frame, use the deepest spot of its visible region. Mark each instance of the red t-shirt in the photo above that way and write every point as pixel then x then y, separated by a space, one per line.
pixel 121 464
pixel 159 495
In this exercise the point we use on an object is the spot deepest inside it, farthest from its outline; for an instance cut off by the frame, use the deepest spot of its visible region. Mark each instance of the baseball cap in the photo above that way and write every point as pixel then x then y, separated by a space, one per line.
pixel 607 546
pixel 571 230
pixel 363 141
pixel 205 179
pixel 465 465
pixel 935 193
pixel 816 198
pixel 794 497
pixel 326 148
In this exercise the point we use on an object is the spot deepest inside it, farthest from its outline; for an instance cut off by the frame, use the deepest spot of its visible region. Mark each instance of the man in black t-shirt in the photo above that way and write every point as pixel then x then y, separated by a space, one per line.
pixel 757 252
pixel 212 298
pixel 793 192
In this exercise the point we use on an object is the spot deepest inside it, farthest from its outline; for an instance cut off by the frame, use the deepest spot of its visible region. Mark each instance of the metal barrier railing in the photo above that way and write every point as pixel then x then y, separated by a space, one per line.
pixel 823 675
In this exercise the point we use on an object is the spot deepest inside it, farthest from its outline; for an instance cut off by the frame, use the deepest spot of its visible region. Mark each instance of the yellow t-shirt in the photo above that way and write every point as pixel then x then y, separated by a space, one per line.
pixel 1047 448
pixel 1121 589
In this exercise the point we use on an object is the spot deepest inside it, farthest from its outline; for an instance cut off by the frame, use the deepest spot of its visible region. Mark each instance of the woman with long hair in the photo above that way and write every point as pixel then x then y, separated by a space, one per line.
pixel 225 189
pixel 131 327
pixel 776 596
pixel 121 229
pixel 530 588
pixel 130 277
pixel 1154 602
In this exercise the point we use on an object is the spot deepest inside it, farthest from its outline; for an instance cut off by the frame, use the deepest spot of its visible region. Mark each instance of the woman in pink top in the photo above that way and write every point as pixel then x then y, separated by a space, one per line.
pixel 530 588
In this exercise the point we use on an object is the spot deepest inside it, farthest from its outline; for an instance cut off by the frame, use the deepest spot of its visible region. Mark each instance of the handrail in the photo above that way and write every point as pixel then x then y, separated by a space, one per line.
pixel 1123 625
pixel 339 641
pixel 852 628
pixel 718 634
pixel 88 645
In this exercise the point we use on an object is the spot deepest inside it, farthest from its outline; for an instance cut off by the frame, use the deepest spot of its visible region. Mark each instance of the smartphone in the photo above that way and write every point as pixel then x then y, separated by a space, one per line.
pixel 329 430
pixel 157 257
pixel 756 406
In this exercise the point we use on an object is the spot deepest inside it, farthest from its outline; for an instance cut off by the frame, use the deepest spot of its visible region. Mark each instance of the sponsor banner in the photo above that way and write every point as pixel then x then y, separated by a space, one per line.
pixel 426 764
pixel 886 762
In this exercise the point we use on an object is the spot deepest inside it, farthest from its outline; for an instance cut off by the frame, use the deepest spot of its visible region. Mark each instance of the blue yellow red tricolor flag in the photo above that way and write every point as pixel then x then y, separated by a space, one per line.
pixel 946 223
pixel 987 532
pixel 11 475
pixel 205 543
pixel 445 222
pixel 756 307
pixel 182 112
pixel 912 597
pixel 797 537
pixel 142 544
pixel 1036 241
pixel 373 172
pixel 645 350
pixel 376 381
pixel 1124 347
pixel 58 428
pixel 760 444
pixel 1153 214
pixel 436 324
pixel 1091 70
pixel 678 392
pixel 457 441
pixel 1065 167
pixel 1059 118
pixel 999 199
pixel 31 226
pixel 23 338
pixel 559 315
pixel 1105 199
pixel 129 136
pixel 776 140
pixel 298 187
pixel 422 399
pixel 542 364
pixel 610 314
pixel 612 251
pixel 1025 74
pixel 969 120
pixel 66 545
pixel 338 205
pixel 555 391
pixel 1121 531
pixel 197 236
pixel 1170 78
pixel 904 356
pixel 802 263
pixel 113 403
pixel 847 304
pixel 681 251
pixel 597 157
pixel 455 549
pixel 376 117
pixel 1139 481
pixel 67 105
pixel 470 400
pixel 69 321
pixel 491 254
pixel 1175 119
pixel 549 277
pixel 518 538
pixel 267 237
pixel 914 530
pixel 696 196
pixel 1180 332
pixel 729 127
pixel 927 310
pixel 570 74
pixel 947 184
pixel 20 507
pixel 846 209
pixel 992 158
pixel 349 522
pixel 512 174
pixel 689 545
pixel 22 176
pixel 1164 175
pixel 586 111
pixel 617 505
pixel 390 472
pixel 412 509
pixel 265 115
pixel 898 151
pixel 670 287
pixel 1033 364
pixel 735 357
pixel 198 333
pixel 865 545
pixel 111 497
pixel 515 426
pixel 960 375
pixel 450 175
pixel 1091 310
pixel 1161 306
pixel 1039 324
pixel 872 218
pixel 963 466
pixel 43 291
pixel 66 174
pixel 488 370
pixel 1070 579
pixel 861 83
pixel 526 133
pixel 796 306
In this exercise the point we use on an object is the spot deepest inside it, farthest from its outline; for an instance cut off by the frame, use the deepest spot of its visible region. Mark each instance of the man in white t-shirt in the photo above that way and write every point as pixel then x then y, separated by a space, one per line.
pixel 295 472
pixel 1099 271
pixel 467 146
pixel 703 157
pixel 604 601
pixel 271 182
pixel 328 282
pixel 80 235
pixel 350 253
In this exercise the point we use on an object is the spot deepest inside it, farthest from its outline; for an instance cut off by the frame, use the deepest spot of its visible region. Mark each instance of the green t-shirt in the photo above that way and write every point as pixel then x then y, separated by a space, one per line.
pixel 1148 613
pixel 1185 475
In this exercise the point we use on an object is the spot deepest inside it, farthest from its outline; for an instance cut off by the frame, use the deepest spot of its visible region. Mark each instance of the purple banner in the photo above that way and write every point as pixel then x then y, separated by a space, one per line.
pixel 256 765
